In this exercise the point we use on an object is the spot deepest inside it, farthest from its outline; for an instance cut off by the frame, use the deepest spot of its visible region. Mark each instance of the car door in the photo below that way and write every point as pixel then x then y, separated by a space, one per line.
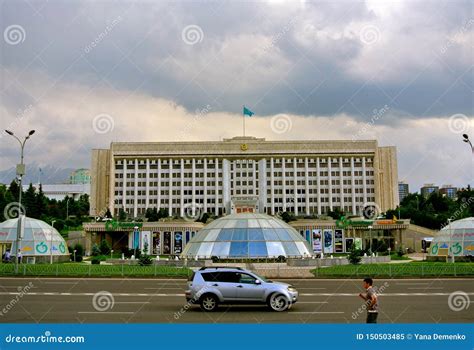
pixel 224 282
pixel 248 289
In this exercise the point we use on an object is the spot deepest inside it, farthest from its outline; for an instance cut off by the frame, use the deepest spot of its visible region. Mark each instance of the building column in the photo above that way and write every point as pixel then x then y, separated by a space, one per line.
pixel 341 183
pixel 254 177
pixel 364 180
pixel 330 183
pixel 181 197
pixel 306 185
pixel 205 184
pixel 283 169
pixel 272 187
pixel 147 184
pixel 295 185
pixel 135 194
pixel 226 185
pixel 353 188
pixel 262 185
pixel 318 185
pixel 193 186
pixel 170 187
pixel 158 179
pixel 124 185
pixel 216 186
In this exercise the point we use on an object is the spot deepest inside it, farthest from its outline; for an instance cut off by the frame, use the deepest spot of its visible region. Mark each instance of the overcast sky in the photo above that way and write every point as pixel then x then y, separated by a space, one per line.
pixel 84 74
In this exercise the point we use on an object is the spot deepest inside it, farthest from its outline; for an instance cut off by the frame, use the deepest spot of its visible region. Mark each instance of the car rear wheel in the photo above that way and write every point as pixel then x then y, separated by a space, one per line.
pixel 209 302
pixel 278 302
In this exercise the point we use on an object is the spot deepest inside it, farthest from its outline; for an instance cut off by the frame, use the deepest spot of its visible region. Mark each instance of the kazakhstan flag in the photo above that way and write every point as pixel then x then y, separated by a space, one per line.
pixel 248 112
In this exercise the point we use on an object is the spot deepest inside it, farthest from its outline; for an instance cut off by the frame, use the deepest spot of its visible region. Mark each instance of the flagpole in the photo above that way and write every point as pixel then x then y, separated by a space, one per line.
pixel 243 116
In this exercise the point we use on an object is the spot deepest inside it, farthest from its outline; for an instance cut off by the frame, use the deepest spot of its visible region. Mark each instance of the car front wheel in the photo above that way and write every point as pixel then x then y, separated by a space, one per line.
pixel 209 302
pixel 278 302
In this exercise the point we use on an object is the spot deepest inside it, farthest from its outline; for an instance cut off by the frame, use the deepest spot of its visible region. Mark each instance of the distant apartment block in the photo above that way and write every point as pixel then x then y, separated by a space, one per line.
pixel 403 190
pixel 448 191
pixel 428 189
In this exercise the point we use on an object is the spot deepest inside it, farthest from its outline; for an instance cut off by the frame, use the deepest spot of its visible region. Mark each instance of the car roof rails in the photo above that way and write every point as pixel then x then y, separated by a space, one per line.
pixel 220 267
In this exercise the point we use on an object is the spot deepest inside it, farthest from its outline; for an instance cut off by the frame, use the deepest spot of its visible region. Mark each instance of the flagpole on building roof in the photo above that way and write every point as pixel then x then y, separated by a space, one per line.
pixel 243 119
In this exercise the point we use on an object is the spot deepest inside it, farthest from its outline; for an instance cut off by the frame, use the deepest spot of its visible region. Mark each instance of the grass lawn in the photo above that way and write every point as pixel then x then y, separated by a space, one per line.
pixel 412 269
pixel 87 270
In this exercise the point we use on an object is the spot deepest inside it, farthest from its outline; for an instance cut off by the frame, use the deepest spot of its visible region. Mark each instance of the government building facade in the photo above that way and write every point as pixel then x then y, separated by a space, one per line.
pixel 244 174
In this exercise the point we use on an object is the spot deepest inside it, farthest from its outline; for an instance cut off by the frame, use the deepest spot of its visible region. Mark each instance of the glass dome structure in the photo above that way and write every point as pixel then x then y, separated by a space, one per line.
pixel 456 238
pixel 39 238
pixel 247 235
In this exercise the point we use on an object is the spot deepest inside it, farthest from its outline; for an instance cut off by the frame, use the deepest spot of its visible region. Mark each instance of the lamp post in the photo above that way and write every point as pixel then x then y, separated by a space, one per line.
pixel 51 243
pixel 20 171
pixel 466 139
pixel 370 238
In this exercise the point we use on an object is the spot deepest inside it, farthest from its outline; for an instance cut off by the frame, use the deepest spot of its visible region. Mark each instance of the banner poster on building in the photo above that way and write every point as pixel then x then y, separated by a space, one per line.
pixel 178 243
pixel 308 236
pixel 167 243
pixel 156 243
pixel 358 243
pixel 136 239
pixel 328 242
pixel 146 242
pixel 317 247
pixel 349 244
pixel 338 241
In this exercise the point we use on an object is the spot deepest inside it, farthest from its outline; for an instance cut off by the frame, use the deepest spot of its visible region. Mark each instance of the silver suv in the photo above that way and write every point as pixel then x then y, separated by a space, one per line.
pixel 211 286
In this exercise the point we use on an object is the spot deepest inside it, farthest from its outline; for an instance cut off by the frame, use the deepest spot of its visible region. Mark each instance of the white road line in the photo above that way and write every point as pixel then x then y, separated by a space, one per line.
pixel 426 288
pixel 132 302
pixel 315 312
pixel 409 283
pixel 105 312
pixel 60 282
pixel 312 302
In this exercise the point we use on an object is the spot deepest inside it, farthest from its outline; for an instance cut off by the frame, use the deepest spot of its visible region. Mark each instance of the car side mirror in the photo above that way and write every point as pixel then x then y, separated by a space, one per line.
pixel 258 282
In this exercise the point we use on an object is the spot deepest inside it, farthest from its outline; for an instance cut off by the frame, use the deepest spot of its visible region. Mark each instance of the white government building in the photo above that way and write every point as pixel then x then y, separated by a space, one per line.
pixel 244 174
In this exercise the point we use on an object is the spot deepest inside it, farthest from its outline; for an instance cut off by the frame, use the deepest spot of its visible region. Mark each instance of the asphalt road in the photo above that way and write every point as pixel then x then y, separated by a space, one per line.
pixel 60 300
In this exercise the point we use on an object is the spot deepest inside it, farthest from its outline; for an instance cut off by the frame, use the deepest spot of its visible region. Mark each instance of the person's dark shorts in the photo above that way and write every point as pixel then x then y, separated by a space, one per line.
pixel 372 317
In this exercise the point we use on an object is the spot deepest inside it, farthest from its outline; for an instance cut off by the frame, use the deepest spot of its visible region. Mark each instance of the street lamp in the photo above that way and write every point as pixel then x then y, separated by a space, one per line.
pixel 370 238
pixel 51 243
pixel 466 139
pixel 20 171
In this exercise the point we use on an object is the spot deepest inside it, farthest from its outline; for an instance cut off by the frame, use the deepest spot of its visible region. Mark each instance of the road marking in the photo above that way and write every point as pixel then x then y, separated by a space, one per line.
pixel 132 302
pixel 409 283
pixel 427 288
pixel 316 312
pixel 312 302
pixel 60 282
pixel 105 312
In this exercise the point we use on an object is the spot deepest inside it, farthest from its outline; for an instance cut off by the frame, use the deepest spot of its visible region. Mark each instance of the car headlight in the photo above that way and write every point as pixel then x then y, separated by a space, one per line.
pixel 292 290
